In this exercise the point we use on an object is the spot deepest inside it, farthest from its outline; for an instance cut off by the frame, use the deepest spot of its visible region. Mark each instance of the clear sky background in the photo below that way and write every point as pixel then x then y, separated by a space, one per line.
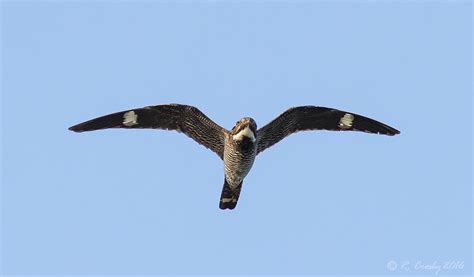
pixel 146 201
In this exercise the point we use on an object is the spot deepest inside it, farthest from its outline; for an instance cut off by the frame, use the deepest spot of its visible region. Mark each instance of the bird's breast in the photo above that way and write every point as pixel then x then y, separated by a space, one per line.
pixel 238 160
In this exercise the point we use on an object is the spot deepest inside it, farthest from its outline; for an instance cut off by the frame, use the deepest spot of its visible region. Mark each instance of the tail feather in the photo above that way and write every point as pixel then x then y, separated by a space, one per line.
pixel 229 196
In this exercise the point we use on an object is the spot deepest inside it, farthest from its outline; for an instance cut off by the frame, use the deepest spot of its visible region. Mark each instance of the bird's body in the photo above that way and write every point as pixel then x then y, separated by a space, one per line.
pixel 240 151
pixel 239 146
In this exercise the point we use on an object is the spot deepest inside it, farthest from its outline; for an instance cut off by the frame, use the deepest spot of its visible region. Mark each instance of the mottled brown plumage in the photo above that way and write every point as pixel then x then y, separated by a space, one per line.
pixel 239 146
pixel 182 118
pixel 306 118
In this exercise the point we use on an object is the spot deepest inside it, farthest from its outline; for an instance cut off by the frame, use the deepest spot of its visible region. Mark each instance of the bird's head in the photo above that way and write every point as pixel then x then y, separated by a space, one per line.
pixel 244 128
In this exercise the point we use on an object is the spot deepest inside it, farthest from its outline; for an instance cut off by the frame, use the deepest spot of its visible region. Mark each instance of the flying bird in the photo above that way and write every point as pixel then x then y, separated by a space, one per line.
pixel 239 146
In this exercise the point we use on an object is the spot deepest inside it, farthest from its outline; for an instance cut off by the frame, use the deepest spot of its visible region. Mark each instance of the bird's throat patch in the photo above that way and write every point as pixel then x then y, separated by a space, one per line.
pixel 246 132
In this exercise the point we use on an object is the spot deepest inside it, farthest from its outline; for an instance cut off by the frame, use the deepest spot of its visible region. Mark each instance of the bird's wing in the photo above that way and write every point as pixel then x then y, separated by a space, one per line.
pixel 182 118
pixel 317 118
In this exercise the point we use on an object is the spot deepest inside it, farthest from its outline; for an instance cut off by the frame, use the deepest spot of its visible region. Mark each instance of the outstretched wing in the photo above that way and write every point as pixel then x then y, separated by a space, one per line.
pixel 317 118
pixel 182 118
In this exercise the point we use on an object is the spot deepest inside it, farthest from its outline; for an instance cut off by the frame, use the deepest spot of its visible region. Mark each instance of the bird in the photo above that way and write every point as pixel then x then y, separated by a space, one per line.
pixel 238 147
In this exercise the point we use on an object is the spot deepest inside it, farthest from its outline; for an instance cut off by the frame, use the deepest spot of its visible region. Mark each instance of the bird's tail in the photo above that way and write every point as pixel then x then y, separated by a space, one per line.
pixel 229 196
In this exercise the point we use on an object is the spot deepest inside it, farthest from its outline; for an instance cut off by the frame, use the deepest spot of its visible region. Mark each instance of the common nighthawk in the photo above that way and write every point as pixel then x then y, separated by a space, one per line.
pixel 239 146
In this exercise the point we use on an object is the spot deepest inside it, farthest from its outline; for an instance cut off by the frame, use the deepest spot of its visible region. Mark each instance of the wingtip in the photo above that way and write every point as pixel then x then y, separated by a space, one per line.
pixel 74 129
pixel 394 132
pixel 391 133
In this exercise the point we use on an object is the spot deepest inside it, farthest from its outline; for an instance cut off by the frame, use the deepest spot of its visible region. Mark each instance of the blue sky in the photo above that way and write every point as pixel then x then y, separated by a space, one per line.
pixel 146 201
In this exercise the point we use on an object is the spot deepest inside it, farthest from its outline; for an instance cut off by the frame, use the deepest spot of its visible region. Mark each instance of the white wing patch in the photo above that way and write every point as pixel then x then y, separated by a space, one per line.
pixel 244 133
pixel 346 121
pixel 130 118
